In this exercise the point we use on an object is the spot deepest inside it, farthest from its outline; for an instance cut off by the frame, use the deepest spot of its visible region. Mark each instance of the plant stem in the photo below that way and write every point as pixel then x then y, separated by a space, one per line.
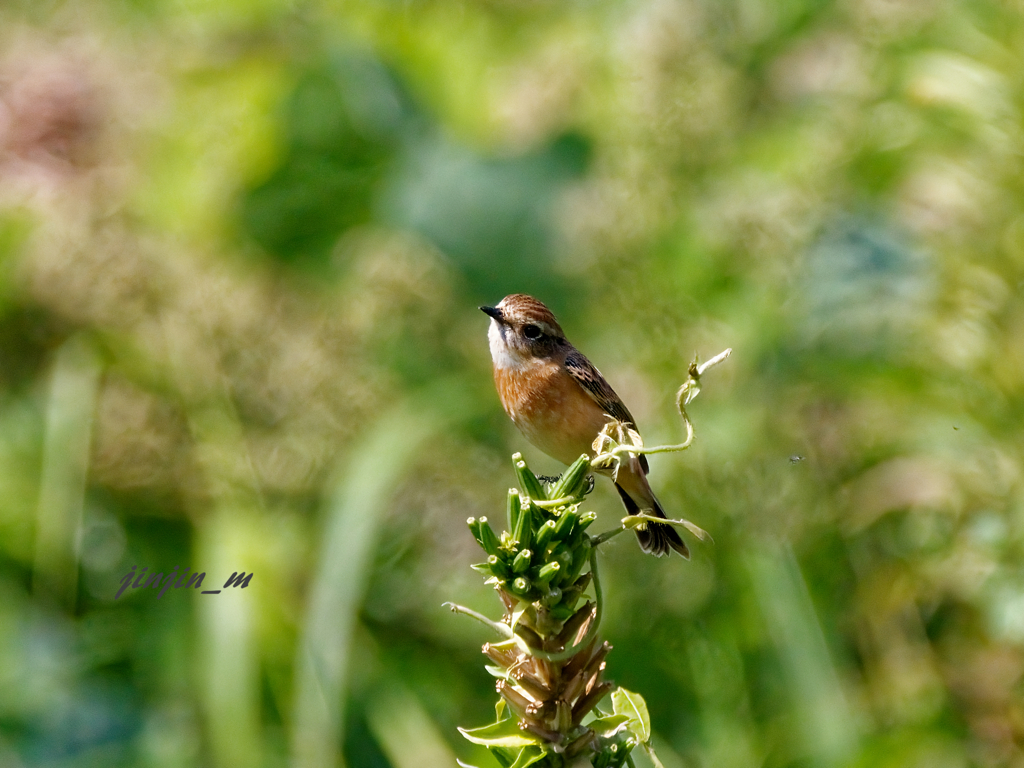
pixel 502 629
pixel 603 537
pixel 598 594
pixel 553 503
pixel 713 361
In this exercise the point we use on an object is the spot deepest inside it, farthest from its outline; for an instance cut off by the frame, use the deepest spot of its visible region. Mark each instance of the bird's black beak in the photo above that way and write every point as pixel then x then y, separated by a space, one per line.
pixel 493 312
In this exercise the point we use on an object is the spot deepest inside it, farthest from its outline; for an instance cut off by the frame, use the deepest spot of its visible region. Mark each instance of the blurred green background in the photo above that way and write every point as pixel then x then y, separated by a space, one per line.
pixel 242 243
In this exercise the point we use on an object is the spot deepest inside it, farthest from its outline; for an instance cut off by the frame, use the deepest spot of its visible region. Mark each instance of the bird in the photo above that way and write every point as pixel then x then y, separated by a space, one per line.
pixel 561 402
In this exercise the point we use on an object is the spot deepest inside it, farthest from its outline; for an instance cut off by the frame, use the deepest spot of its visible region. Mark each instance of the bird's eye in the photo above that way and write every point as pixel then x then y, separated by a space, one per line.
pixel 531 331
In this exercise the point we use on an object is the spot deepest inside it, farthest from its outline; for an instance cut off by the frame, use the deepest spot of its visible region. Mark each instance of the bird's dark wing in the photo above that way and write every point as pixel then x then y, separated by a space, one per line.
pixel 588 377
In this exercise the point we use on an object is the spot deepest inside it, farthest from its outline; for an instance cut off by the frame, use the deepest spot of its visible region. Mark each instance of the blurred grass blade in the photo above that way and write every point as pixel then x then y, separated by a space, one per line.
pixel 354 513
pixel 69 421
pixel 827 724
pixel 404 730
pixel 229 640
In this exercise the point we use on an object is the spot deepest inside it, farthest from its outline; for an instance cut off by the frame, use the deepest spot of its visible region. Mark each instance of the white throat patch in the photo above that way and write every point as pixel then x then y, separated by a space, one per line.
pixel 502 356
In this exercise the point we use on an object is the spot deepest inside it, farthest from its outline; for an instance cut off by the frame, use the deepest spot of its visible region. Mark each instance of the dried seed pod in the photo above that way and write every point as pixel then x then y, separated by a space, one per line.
pixel 541 710
pixel 563 716
pixel 503 657
pixel 540 731
pixel 532 685
pixel 514 698
pixel 579 661
pixel 593 675
pixel 578 744
pixel 586 703
pixel 530 637
pixel 596 660
pixel 574 687
pixel 575 628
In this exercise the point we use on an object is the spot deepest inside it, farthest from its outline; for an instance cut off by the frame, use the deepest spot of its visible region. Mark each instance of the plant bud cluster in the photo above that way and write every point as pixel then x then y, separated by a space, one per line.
pixel 550 673
pixel 540 557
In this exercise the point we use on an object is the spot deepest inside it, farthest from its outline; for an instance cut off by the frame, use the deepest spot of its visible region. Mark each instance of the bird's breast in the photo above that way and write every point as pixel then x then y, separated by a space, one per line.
pixel 551 410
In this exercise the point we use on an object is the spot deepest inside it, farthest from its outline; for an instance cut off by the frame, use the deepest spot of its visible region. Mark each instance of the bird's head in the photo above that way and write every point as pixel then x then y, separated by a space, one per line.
pixel 522 330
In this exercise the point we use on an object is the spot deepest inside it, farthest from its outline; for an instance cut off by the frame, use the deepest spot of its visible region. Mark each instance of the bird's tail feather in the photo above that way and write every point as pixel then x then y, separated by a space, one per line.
pixel 655 538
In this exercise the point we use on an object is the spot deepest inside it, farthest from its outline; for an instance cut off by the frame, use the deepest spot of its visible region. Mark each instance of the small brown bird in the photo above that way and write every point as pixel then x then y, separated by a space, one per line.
pixel 561 402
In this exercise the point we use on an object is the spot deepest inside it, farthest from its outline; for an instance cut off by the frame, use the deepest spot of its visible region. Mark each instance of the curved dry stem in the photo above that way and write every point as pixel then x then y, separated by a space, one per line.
pixel 720 357
pixel 632 521
pixel 502 629
pixel 601 538
pixel 686 393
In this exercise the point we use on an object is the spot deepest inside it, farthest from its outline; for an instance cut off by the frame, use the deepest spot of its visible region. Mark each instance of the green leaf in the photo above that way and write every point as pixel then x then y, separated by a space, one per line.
pixel 529 756
pixel 504 756
pixel 516 615
pixel 503 734
pixel 633 706
pixel 608 725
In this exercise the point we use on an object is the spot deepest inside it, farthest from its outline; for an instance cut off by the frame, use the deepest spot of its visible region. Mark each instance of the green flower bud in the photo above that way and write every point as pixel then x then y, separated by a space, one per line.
pixel 523 530
pixel 547 572
pixel 487 538
pixel 474 528
pixel 521 585
pixel 580 554
pixel 565 608
pixel 561 612
pixel 571 481
pixel 528 481
pixel 585 521
pixel 522 561
pixel 498 567
pixel 545 534
pixel 563 527
pixel 512 508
